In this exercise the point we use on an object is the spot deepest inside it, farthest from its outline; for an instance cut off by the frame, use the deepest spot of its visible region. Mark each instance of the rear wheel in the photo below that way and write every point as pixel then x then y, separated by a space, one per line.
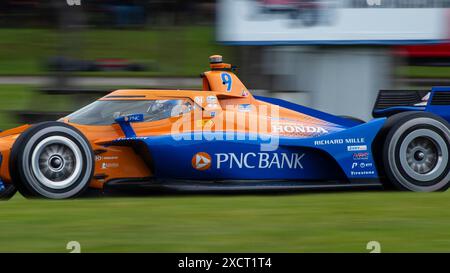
pixel 51 160
pixel 416 153
pixel 7 191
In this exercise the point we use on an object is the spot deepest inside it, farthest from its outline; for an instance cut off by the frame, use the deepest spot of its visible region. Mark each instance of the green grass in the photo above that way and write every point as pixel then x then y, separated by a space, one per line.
pixel 423 72
pixel 13 98
pixel 318 222
pixel 22 97
pixel 174 51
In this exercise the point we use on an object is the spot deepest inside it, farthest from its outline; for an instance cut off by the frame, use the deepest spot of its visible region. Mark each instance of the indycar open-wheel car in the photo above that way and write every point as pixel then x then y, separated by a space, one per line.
pixel 212 140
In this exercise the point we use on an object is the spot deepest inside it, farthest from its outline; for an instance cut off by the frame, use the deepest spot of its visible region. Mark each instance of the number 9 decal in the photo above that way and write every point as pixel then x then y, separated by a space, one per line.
pixel 226 80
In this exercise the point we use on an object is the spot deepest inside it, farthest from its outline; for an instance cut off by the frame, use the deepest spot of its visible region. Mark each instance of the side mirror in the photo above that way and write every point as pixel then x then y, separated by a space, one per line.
pixel 124 122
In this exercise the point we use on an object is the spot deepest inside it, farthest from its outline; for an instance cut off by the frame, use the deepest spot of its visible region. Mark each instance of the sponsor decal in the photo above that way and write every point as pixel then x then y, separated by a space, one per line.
pixel 259 160
pixel 244 93
pixel 365 165
pixel 198 100
pixel 424 100
pixel 353 173
pixel 361 156
pixel 244 107
pixel 339 141
pixel 110 157
pixel 212 106
pixel 108 165
pixel 212 114
pixel 211 99
pixel 361 165
pixel 100 158
pixel 356 148
pixel 280 128
pixel 201 161
pixel 135 118
pixel 328 142
pixel 128 138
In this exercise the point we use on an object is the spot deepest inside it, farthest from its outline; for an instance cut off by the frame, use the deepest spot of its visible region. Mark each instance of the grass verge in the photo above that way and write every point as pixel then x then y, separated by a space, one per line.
pixel 179 51
pixel 318 222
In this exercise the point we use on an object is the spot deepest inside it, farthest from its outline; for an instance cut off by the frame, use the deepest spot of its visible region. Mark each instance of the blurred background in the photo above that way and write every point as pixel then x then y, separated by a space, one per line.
pixel 58 55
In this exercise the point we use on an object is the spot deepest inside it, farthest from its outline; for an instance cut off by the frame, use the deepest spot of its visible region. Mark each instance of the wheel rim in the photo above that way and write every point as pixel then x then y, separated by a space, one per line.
pixel 423 154
pixel 56 162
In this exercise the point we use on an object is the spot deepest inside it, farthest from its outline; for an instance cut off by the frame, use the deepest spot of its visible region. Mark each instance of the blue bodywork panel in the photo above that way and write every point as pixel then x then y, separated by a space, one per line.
pixel 343 155
pixel 440 110
pixel 398 109
pixel 309 111
pixel 438 106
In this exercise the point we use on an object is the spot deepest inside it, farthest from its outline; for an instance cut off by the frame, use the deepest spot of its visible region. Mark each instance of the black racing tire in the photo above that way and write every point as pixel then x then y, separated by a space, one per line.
pixel 51 160
pixel 9 190
pixel 416 152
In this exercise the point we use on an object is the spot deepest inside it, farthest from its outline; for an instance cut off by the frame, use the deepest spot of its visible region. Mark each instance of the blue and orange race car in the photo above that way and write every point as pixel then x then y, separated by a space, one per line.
pixel 224 138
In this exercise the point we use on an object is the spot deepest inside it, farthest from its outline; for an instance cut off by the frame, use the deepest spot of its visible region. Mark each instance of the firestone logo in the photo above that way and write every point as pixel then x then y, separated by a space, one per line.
pixel 201 161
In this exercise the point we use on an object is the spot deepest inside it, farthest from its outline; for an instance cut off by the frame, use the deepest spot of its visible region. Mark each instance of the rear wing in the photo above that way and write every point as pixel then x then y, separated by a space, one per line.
pixel 390 102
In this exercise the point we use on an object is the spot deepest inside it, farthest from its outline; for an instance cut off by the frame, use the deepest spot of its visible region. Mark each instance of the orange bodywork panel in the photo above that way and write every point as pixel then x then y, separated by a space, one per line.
pixel 112 162
pixel 7 139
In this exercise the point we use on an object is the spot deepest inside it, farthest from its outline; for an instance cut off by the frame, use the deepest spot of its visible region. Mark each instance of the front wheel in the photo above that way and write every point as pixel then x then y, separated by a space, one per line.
pixel 416 153
pixel 51 160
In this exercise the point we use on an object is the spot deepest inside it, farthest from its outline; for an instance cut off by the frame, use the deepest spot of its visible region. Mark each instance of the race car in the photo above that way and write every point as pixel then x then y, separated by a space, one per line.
pixel 223 138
